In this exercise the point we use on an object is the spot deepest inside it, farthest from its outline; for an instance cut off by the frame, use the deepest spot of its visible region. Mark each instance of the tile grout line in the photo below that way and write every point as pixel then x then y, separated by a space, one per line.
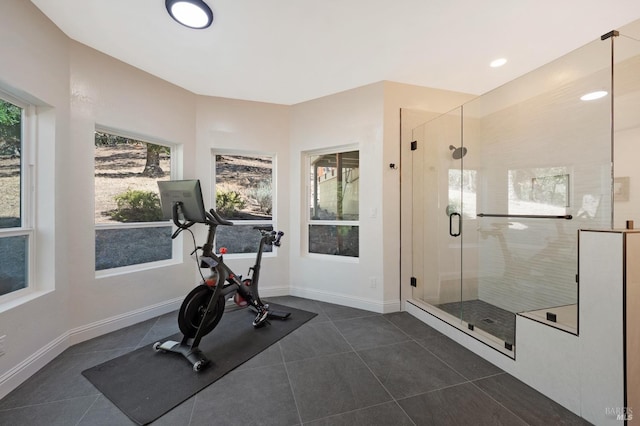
pixel 293 394
pixel 315 357
pixel 356 410
pixel 193 409
pixel 437 357
pixel 433 390
pixel 88 409
pixel 139 344
pixel 413 339
pixel 21 407
pixel 373 314
pixel 399 329
pixel 467 380
pixel 497 402
pixel 332 322
pixel 374 375
pixel 443 361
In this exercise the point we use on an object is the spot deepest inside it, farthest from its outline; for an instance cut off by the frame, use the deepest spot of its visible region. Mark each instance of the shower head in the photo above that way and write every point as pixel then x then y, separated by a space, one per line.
pixel 458 153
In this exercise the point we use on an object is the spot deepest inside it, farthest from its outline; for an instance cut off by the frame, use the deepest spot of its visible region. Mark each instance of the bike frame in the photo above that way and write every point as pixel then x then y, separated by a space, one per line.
pixel 227 281
pixel 227 277
pixel 209 311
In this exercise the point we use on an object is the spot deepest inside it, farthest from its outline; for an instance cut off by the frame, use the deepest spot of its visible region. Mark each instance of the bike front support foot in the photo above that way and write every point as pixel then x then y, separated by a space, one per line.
pixel 194 355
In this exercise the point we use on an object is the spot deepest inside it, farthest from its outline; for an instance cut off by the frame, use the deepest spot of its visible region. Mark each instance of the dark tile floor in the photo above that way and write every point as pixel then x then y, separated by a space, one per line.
pixel 345 367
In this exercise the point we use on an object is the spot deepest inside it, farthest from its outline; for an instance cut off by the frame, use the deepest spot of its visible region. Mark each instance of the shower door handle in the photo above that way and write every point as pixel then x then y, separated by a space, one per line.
pixel 457 234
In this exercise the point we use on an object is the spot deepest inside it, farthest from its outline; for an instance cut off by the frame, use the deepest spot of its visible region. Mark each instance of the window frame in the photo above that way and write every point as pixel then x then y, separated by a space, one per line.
pixel 177 243
pixel 274 197
pixel 28 123
pixel 309 221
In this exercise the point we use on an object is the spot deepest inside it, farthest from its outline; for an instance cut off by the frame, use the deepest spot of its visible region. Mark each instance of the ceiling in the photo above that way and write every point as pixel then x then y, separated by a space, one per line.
pixel 291 51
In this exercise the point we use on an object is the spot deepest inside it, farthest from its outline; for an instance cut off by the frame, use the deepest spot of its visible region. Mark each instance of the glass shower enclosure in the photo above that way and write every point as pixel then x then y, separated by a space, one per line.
pixel 501 186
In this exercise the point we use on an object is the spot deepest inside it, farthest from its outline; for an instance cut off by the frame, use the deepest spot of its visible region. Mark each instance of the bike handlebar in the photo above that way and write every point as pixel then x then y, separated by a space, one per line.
pixel 214 217
pixel 270 237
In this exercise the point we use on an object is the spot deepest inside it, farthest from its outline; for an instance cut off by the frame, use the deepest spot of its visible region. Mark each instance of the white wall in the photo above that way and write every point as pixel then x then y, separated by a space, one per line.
pixel 109 93
pixel 354 118
pixel 368 116
pixel 31 43
pixel 249 127
pixel 76 88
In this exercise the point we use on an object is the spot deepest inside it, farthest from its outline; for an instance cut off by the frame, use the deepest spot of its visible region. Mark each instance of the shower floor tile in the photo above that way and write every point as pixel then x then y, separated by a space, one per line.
pixel 489 318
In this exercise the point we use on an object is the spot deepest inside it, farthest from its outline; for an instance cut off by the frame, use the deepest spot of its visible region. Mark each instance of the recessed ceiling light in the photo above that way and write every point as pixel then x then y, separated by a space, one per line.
pixel 594 95
pixel 498 63
pixel 190 13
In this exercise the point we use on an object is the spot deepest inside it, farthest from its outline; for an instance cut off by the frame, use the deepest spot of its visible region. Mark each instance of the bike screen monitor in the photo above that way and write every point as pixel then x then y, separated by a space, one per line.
pixel 189 196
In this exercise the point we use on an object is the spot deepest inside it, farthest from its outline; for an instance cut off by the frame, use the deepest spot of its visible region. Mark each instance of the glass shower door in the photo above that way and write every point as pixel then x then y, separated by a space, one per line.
pixel 437 213
pixel 500 187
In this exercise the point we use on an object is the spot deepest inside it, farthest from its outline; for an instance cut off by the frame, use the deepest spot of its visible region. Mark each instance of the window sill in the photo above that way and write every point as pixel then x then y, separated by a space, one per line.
pixel 332 257
pixel 20 297
pixel 105 273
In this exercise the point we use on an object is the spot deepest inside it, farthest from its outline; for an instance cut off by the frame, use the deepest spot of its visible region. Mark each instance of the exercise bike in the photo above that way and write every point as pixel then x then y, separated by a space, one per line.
pixel 204 306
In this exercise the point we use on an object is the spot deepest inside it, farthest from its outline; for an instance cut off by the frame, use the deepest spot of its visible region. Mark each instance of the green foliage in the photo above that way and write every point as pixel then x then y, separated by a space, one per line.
pixel 10 128
pixel 228 202
pixel 137 206
pixel 9 114
pixel 262 195
pixel 107 139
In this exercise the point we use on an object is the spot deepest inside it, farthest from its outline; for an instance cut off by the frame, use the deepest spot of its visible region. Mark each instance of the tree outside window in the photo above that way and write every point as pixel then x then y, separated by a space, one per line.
pixel 129 225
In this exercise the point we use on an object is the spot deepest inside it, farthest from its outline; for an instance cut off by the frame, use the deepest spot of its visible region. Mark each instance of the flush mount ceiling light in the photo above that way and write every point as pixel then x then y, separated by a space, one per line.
pixel 190 13
pixel 594 95
pixel 498 63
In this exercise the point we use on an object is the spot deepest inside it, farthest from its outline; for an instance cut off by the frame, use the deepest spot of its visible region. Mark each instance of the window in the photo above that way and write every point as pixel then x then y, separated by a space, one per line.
pixel 16 233
pixel 243 185
pixel 334 203
pixel 129 226
pixel 543 191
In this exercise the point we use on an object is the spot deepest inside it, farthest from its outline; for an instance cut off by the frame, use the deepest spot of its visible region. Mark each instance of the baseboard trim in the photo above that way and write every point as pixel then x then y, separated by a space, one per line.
pixel 28 367
pixel 15 376
pixel 273 291
pixel 345 300
pixel 99 328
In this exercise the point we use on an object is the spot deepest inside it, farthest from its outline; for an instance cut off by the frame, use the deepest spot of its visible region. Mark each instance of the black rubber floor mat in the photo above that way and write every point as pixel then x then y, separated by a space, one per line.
pixel 145 384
